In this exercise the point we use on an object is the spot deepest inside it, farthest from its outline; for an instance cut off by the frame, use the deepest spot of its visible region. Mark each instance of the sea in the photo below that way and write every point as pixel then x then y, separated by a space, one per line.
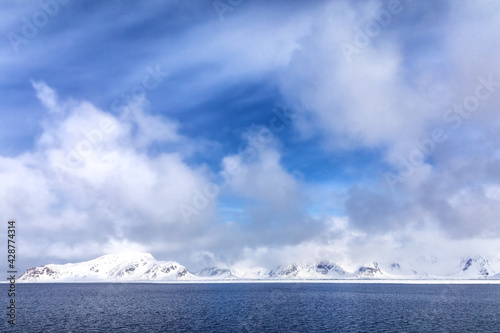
pixel 253 307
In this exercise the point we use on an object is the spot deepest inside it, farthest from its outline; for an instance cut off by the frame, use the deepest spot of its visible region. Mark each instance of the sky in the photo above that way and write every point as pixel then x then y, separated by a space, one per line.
pixel 251 133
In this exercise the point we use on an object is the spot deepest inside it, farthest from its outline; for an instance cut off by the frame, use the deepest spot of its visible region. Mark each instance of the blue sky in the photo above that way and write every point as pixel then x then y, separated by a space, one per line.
pixel 371 160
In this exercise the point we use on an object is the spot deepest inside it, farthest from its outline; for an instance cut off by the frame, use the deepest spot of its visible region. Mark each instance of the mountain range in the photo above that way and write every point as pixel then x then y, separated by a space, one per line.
pixel 143 267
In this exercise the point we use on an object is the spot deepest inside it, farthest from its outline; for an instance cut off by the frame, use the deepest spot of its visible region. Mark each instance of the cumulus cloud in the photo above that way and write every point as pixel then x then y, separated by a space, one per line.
pixel 90 183
pixel 273 197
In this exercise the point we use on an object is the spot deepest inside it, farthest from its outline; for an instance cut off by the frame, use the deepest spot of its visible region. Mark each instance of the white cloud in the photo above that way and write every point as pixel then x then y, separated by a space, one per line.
pixel 260 176
pixel 274 200
pixel 47 96
pixel 90 180
pixel 369 101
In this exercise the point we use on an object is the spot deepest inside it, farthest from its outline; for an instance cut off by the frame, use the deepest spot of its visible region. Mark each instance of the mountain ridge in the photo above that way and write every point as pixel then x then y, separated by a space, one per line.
pixel 143 267
pixel 128 266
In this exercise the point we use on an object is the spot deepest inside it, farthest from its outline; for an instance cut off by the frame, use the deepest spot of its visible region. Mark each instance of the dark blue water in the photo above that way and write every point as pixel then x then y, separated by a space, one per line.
pixel 259 307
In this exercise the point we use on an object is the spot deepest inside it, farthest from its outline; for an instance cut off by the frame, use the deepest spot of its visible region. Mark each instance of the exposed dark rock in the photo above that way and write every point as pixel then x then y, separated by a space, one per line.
pixel 395 266
pixel 325 268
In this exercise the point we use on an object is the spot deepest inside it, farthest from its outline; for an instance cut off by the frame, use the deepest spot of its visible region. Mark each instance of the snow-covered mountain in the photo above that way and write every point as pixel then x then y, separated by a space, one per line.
pixel 478 267
pixel 129 266
pixel 369 271
pixel 216 273
pixel 320 270
pixel 136 266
